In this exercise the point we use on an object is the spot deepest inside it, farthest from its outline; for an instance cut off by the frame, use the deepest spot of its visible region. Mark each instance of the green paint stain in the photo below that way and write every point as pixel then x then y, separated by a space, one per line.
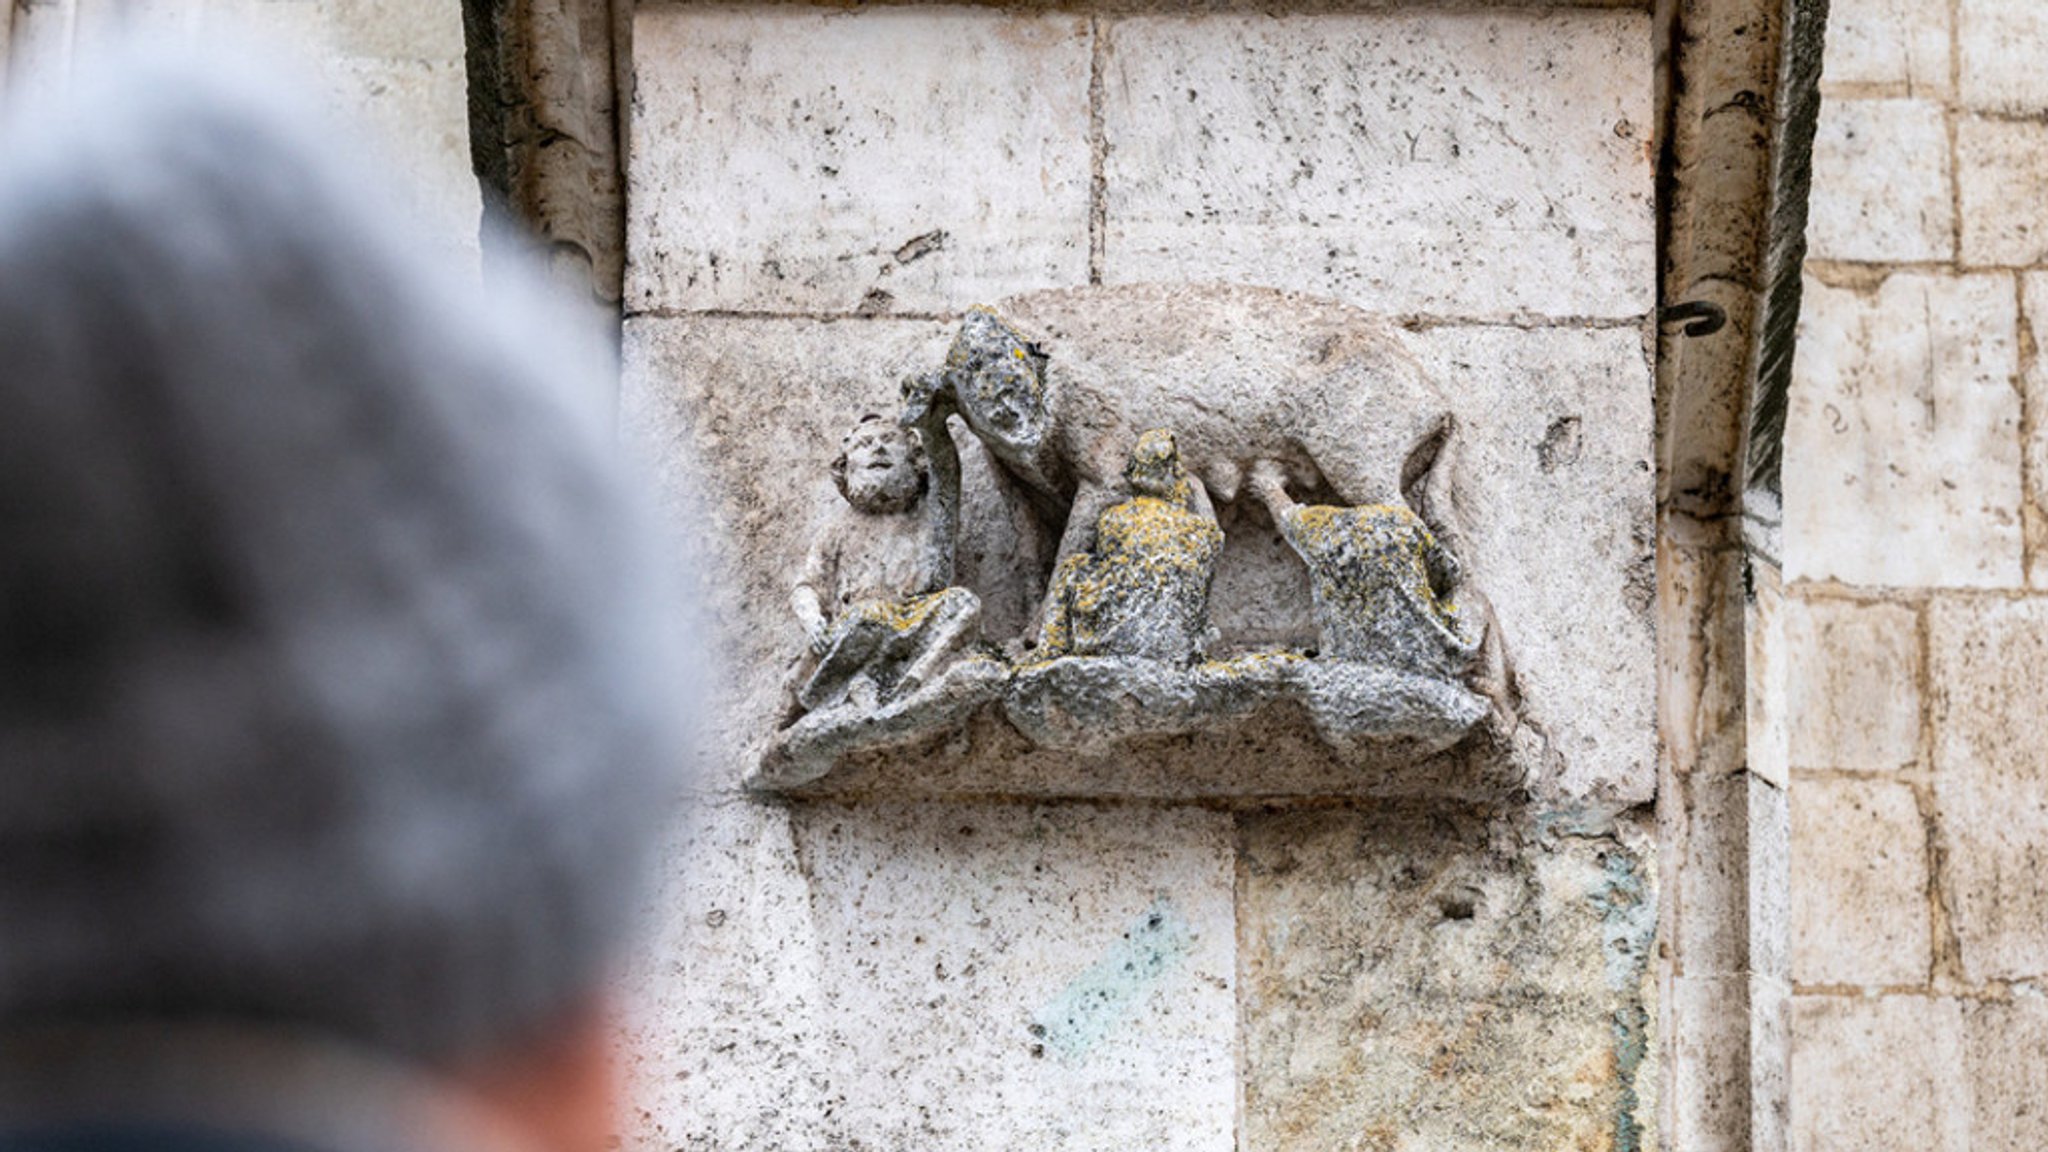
pixel 1628 927
pixel 1110 991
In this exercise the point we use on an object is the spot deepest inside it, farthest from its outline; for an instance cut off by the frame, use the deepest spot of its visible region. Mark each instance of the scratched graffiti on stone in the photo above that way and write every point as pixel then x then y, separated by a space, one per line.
pixel 1323 431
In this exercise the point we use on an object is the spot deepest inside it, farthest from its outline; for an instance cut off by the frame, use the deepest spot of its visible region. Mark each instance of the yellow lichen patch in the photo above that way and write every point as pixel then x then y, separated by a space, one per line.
pixel 1370 569
pixel 1145 586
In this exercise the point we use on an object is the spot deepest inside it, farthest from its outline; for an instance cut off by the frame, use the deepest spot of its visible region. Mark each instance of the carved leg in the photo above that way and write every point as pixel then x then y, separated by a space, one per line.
pixel 951 628
pixel 1269 484
pixel 1090 502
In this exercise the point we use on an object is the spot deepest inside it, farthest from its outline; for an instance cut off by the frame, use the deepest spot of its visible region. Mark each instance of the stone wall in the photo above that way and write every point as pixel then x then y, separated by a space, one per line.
pixel 1909 631
pixel 815 196
pixel 393 67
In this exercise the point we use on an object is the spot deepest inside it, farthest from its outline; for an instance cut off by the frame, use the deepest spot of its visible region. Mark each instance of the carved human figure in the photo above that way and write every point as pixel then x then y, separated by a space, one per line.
pixel 1142 586
pixel 1384 586
pixel 873 594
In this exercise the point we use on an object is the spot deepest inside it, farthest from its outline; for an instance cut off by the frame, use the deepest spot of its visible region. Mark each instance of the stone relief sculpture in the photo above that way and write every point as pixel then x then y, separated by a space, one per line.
pixel 875 595
pixel 1127 464
pixel 1142 587
pixel 1382 582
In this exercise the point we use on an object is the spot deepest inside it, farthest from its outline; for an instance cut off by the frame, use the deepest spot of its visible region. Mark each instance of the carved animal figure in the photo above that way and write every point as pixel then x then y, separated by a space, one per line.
pixel 1059 386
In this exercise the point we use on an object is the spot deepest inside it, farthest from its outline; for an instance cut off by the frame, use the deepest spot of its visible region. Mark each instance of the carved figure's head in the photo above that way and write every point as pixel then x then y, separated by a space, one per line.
pixel 998 379
pixel 1155 468
pixel 881 467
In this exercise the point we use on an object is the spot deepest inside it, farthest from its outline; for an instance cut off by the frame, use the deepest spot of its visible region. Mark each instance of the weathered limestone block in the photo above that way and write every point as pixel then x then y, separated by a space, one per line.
pixel 2034 512
pixel 940 976
pixel 1917 373
pixel 1853 688
pixel 791 159
pixel 1881 183
pixel 1859 884
pixel 1408 984
pixel 730 975
pixel 2006 1082
pixel 1998 41
pixel 1404 161
pixel 1553 436
pixel 1878 1072
pixel 1026 977
pixel 1898 43
pixel 2000 167
pixel 1990 782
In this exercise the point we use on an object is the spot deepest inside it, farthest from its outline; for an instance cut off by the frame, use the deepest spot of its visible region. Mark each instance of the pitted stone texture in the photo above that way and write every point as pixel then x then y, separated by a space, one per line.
pixel 2000 42
pixel 791 159
pixel 1902 465
pixel 1553 429
pixel 2008 1080
pixel 1036 977
pixel 1895 43
pixel 1411 162
pixel 1409 985
pixel 2001 166
pixel 1990 781
pixel 1881 183
pixel 2034 306
pixel 723 998
pixel 1768 654
pixel 1859 884
pixel 1708 1094
pixel 1878 1072
pixel 950 977
pixel 1853 688
pixel 1719 888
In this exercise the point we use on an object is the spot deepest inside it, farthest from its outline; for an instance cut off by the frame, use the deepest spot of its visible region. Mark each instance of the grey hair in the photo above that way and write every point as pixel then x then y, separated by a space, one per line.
pixel 338 669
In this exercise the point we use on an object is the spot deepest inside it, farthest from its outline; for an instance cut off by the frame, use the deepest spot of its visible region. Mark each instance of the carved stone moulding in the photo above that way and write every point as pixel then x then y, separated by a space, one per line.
pixel 1148 445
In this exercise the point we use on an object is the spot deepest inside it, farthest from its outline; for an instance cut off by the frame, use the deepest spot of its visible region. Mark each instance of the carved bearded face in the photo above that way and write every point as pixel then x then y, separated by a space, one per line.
pixel 881 467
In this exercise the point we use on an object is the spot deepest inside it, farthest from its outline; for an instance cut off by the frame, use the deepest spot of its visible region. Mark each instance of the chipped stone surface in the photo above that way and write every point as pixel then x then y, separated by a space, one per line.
pixel 2034 314
pixel 1405 161
pixel 1881 183
pixel 2000 167
pixel 1990 784
pixel 1709 1100
pixel 1409 983
pixel 1908 418
pixel 1888 42
pixel 1575 405
pixel 830 977
pixel 1999 41
pixel 1768 654
pixel 1878 1073
pixel 2008 1081
pixel 1853 688
pixel 1859 884
pixel 792 159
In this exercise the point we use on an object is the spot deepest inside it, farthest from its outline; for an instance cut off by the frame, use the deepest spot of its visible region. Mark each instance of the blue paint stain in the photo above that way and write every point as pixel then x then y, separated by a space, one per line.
pixel 1628 928
pixel 1110 991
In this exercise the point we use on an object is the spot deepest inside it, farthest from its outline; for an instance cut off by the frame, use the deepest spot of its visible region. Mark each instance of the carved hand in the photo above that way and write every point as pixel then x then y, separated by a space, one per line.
pixel 809 613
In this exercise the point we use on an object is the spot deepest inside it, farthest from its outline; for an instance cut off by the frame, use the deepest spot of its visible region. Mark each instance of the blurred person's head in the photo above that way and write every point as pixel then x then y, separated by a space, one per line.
pixel 335 681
